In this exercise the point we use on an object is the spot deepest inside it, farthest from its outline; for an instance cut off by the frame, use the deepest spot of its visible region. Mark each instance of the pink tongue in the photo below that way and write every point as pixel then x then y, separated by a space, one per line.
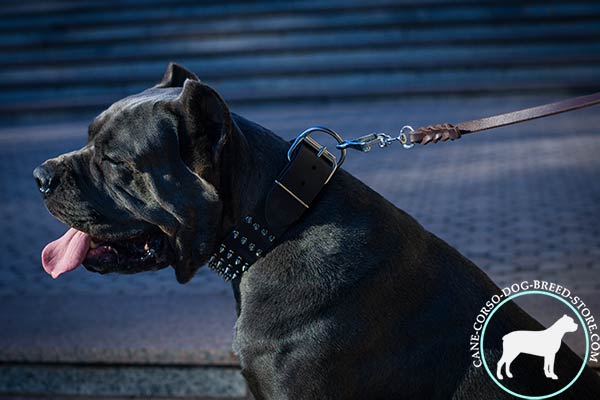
pixel 66 253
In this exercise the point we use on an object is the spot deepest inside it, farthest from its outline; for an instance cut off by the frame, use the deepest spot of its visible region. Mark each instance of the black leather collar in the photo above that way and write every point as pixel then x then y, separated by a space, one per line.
pixel 295 188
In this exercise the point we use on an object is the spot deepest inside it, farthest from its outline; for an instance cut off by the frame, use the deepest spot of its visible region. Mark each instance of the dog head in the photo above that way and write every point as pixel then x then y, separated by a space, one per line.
pixel 568 324
pixel 146 191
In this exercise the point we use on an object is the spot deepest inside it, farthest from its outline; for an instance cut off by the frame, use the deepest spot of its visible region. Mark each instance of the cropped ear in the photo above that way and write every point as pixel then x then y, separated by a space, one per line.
pixel 208 120
pixel 175 76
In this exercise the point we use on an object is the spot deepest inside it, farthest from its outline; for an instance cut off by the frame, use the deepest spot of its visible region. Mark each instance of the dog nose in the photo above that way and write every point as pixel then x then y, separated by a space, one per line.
pixel 44 178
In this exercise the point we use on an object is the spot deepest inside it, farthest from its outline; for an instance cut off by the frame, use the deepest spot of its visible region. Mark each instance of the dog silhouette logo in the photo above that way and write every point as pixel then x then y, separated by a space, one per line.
pixel 538 343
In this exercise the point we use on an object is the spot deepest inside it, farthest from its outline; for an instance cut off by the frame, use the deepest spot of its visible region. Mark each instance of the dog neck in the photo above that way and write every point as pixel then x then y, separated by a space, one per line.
pixel 244 236
pixel 265 156
pixel 281 205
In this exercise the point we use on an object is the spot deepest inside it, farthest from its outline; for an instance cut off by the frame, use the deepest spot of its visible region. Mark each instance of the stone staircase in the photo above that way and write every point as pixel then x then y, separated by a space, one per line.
pixel 66 59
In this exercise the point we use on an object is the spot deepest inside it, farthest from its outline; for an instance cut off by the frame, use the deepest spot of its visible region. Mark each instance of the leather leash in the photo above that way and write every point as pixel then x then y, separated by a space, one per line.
pixel 443 132
pixel 311 166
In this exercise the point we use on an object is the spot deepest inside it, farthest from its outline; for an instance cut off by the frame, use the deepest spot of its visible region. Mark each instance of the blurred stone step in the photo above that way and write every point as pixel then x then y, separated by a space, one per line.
pixel 219 46
pixel 117 381
pixel 236 7
pixel 404 58
pixel 419 12
pixel 203 29
pixel 186 11
pixel 93 397
pixel 47 7
pixel 78 60
pixel 263 23
pixel 80 344
pixel 333 86
pixel 178 329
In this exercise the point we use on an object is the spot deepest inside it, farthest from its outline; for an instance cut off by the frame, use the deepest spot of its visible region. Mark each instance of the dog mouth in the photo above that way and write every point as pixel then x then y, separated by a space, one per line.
pixel 143 252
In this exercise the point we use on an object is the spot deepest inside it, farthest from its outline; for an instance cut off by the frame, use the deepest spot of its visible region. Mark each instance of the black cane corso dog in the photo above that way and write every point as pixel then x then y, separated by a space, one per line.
pixel 355 301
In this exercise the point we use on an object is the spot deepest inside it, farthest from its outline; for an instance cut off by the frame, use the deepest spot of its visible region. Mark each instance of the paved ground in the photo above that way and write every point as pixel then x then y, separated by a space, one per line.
pixel 522 202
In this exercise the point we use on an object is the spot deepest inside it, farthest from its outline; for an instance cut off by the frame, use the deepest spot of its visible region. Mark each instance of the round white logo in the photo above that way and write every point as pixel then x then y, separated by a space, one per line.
pixel 526 353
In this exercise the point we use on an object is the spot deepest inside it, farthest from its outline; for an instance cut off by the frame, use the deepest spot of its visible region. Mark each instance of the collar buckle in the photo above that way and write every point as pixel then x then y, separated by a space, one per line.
pixel 320 150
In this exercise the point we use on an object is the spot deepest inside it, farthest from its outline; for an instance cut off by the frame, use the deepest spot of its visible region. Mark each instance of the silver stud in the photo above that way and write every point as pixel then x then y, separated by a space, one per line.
pixel 227 269
pixel 243 240
pixel 219 265
pixel 234 275
pixel 229 254
pixel 238 260
pixel 235 234
pixel 256 226
pixel 211 260
pixel 259 253
pixel 271 238
pixel 248 219
pixel 222 248
pixel 264 232
pixel 245 267
pixel 251 246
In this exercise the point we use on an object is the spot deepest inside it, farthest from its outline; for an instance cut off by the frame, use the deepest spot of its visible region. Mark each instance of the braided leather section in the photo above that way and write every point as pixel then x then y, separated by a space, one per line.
pixel 435 133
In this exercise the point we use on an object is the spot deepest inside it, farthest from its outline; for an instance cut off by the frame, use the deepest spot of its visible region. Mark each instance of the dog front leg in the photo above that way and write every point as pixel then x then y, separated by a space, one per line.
pixel 509 361
pixel 499 368
pixel 549 361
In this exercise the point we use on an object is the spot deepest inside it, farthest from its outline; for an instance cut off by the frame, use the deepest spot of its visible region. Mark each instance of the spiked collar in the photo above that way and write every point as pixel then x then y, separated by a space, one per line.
pixel 310 166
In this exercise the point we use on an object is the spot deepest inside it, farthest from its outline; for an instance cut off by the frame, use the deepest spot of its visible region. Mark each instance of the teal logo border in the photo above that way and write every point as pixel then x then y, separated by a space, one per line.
pixel 583 326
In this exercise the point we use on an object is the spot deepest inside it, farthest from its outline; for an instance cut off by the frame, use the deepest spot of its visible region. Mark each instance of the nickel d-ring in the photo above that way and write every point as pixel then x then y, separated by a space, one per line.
pixel 404 137
pixel 308 132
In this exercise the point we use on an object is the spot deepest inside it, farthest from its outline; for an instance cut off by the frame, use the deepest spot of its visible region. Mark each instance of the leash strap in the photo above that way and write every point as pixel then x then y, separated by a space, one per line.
pixel 293 191
pixel 443 132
